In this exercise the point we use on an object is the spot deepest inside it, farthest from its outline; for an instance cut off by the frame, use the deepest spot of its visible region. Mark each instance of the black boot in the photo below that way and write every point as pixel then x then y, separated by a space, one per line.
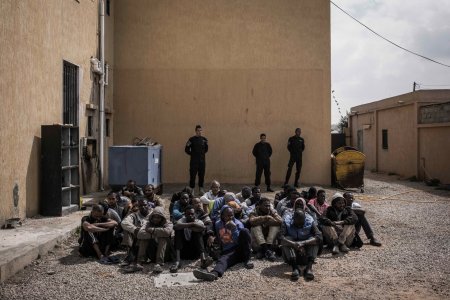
pixel 308 274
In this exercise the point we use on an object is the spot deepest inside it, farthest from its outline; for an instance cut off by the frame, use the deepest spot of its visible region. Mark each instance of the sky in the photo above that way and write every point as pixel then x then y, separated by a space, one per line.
pixel 365 68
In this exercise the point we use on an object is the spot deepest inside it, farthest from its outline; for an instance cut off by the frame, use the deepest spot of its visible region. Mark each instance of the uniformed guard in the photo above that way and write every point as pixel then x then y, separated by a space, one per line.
pixel 196 147
pixel 296 146
pixel 262 152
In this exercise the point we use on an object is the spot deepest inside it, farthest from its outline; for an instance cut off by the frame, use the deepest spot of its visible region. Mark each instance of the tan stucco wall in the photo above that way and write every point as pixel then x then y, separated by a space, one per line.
pixel 434 152
pixel 369 137
pixel 400 157
pixel 36 37
pixel 408 141
pixel 239 68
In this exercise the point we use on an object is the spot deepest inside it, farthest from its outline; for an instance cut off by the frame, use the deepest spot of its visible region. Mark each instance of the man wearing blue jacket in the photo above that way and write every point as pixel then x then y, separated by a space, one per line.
pixel 235 241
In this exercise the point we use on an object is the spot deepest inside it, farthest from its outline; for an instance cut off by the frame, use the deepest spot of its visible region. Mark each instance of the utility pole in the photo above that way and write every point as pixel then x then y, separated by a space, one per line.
pixel 414 86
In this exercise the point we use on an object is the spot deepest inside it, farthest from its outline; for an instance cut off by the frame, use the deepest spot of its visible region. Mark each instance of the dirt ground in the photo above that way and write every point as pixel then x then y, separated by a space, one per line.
pixel 411 219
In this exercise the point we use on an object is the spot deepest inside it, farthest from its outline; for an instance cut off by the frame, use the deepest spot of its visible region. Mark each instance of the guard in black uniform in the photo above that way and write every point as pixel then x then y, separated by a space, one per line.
pixel 196 147
pixel 296 146
pixel 262 152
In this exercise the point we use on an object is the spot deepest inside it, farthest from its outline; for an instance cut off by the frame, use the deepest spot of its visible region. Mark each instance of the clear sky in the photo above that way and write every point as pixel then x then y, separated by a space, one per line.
pixel 365 68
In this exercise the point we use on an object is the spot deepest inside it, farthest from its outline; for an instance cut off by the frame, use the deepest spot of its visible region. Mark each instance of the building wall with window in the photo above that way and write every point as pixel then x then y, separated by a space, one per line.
pixel 238 68
pixel 37 36
pixel 411 144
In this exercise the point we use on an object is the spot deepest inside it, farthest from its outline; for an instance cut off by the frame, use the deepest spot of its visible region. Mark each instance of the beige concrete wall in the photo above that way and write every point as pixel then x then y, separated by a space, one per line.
pixel 434 152
pixel 239 68
pixel 400 157
pixel 36 37
pixel 358 122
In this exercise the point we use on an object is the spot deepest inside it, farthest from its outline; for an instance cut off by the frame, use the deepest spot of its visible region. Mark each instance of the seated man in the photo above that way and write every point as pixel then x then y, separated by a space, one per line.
pixel 153 200
pixel 362 220
pixel 244 194
pixel 131 189
pixel 209 197
pixel 179 206
pixel 131 226
pixel 220 202
pixel 114 205
pixel 202 215
pixel 265 225
pixel 189 242
pixel 300 240
pixel 155 237
pixel 96 234
pixel 282 194
pixel 319 205
pixel 236 245
pixel 312 194
pixel 338 224
pixel 254 198
pixel 287 204
pixel 176 196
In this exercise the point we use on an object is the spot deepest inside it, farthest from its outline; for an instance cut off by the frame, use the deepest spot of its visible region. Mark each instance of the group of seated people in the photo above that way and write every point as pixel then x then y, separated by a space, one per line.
pixel 223 227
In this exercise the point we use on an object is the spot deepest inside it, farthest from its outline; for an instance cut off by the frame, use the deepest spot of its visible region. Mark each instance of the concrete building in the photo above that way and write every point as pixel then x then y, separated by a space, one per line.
pixel 238 68
pixel 407 134
pixel 37 39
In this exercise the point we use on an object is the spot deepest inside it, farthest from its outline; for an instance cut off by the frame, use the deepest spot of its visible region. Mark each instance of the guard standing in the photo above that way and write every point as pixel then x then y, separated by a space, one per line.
pixel 296 146
pixel 262 152
pixel 196 147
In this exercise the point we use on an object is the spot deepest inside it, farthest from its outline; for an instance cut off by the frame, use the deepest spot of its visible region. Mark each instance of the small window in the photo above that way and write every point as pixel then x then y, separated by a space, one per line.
pixel 90 125
pixel 107 127
pixel 384 133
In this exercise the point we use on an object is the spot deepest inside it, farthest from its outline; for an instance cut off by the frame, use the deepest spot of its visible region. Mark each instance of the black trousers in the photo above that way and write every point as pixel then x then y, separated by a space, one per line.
pixel 362 222
pixel 189 249
pixel 260 167
pixel 239 254
pixel 197 167
pixel 102 239
pixel 298 168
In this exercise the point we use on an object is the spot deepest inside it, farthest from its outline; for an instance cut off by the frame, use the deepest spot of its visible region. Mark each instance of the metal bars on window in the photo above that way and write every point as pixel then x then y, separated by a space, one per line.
pixel 70 94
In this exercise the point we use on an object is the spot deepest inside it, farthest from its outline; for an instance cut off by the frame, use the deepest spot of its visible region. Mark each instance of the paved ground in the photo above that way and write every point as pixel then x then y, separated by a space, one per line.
pixel 412 220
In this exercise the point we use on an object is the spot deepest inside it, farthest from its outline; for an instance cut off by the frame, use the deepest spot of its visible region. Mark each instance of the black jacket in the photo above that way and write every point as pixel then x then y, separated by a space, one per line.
pixel 262 151
pixel 348 216
pixel 296 145
pixel 196 147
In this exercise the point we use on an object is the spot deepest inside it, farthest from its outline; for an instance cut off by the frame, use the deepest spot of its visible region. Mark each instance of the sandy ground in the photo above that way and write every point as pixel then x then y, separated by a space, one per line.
pixel 411 219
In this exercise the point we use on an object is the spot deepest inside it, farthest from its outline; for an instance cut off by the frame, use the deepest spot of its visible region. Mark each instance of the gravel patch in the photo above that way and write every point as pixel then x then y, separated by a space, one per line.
pixel 411 219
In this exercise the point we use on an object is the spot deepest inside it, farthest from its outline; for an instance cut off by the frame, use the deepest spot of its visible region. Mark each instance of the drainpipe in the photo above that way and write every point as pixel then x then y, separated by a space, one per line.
pixel 102 94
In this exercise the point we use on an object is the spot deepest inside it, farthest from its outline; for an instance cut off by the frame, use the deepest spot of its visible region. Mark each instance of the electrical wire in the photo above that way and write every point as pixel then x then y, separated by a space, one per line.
pixel 389 41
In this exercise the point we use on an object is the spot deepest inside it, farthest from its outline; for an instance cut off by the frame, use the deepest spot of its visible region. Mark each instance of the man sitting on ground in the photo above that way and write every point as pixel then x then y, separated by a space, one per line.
pixel 131 189
pixel 189 242
pixel 153 200
pixel 236 245
pixel 265 225
pixel 287 204
pixel 156 237
pixel 96 234
pixel 300 240
pixel 338 224
pixel 362 220
pixel 209 197
pixel 219 203
pixel 131 226
pixel 179 207
pixel 282 194
pixel 176 196
pixel 244 194
pixel 319 204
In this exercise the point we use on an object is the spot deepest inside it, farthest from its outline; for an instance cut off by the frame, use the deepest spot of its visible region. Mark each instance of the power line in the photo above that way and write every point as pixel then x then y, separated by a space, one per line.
pixel 389 41
pixel 337 103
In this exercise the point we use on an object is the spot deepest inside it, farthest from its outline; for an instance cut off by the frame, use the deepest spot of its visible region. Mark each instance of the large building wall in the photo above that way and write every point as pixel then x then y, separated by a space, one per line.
pixel 36 37
pixel 434 152
pixel 400 157
pixel 365 123
pixel 238 68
